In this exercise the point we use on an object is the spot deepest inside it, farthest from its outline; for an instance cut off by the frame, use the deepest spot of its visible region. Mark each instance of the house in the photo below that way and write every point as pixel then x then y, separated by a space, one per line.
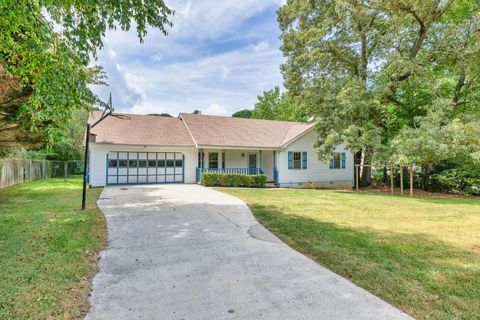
pixel 141 149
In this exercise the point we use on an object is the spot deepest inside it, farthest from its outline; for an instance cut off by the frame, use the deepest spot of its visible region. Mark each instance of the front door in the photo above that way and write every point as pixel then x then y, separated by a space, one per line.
pixel 252 163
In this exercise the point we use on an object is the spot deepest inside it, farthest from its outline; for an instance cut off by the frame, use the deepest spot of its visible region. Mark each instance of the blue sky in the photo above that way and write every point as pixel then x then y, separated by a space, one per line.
pixel 218 56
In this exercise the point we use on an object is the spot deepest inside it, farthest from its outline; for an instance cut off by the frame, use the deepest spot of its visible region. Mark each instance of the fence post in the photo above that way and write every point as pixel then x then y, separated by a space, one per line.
pixel 65 169
pixel 44 175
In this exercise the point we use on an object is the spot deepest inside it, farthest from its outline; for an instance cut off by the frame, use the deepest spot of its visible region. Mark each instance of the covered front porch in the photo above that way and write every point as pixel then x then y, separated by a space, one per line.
pixel 239 161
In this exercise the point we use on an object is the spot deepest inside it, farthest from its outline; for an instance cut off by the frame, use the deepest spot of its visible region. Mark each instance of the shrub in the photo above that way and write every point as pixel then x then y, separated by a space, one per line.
pixel 233 180
pixel 209 179
pixel 460 180
pixel 259 180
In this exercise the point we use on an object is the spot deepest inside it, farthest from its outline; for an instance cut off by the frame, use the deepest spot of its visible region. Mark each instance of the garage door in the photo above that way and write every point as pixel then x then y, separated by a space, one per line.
pixel 144 167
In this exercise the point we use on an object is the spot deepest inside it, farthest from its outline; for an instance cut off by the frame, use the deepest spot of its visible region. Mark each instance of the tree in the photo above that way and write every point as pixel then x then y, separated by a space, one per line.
pixel 375 72
pixel 45 51
pixel 244 113
pixel 275 105
pixel 160 114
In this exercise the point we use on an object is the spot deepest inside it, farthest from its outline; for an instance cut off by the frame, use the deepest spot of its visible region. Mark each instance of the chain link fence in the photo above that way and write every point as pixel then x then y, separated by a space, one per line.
pixel 14 171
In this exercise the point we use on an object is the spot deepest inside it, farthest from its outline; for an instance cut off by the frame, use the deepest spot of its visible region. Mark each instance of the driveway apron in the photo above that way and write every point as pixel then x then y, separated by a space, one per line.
pixel 190 252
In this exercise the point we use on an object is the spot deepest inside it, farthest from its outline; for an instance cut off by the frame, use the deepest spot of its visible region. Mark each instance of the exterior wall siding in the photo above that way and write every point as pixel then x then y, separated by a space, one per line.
pixel 98 160
pixel 318 173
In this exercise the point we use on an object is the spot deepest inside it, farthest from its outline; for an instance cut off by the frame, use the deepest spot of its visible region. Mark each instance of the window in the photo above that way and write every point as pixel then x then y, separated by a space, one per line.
pixel 152 163
pixel 112 163
pixel 170 163
pixel 122 163
pixel 223 160
pixel 178 163
pixel 297 160
pixel 142 163
pixel 338 161
pixel 161 163
pixel 213 160
pixel 132 163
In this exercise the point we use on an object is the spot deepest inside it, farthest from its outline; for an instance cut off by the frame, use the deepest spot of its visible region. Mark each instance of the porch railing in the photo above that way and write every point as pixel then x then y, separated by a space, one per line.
pixel 248 171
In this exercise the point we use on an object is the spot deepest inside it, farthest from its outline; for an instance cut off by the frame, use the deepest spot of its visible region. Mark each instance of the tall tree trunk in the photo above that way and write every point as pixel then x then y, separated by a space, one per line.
pixel 426 177
pixel 366 178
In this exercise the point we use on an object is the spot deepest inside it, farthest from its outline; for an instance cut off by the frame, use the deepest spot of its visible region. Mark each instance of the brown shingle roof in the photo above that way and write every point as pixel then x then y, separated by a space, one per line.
pixel 121 128
pixel 238 132
pixel 139 129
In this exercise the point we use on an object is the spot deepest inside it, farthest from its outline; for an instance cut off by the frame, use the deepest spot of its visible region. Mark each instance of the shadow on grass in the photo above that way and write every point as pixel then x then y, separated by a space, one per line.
pixel 428 279
pixel 428 199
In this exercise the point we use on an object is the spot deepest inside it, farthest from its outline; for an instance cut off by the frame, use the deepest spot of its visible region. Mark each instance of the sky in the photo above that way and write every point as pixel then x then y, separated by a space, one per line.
pixel 217 57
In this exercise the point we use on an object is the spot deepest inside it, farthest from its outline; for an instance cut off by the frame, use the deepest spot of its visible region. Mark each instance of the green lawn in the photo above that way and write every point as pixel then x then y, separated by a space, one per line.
pixel 48 249
pixel 420 254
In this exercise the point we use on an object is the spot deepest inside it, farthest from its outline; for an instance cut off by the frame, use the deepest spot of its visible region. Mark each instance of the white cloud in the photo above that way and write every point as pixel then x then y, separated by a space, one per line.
pixel 261 46
pixel 215 109
pixel 225 73
pixel 215 59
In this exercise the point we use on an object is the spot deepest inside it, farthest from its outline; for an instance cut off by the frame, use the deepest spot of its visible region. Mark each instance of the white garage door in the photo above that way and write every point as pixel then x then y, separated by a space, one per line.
pixel 144 167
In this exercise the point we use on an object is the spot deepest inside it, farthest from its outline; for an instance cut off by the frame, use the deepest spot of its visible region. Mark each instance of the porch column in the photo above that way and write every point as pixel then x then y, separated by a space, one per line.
pixel 220 159
pixel 201 159
pixel 260 161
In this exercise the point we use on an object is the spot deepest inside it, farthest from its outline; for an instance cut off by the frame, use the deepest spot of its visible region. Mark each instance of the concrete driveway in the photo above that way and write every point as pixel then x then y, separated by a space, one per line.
pixel 189 252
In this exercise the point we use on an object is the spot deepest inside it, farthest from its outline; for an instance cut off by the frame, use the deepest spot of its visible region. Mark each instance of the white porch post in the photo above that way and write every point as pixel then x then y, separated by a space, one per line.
pixel 220 159
pixel 260 162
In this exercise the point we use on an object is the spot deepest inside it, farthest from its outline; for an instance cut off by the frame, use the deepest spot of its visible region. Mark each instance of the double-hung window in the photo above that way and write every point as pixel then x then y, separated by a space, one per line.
pixel 213 160
pixel 338 161
pixel 297 160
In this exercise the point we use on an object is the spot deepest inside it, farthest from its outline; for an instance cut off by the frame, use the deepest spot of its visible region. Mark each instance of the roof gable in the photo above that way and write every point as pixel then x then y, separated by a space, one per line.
pixel 239 132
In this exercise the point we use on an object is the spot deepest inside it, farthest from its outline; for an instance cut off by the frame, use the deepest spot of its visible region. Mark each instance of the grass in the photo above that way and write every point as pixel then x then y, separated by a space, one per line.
pixel 420 254
pixel 48 249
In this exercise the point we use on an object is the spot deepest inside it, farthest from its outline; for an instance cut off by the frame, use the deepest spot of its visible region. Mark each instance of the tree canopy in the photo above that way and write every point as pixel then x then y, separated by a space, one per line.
pixel 276 105
pixel 396 79
pixel 244 113
pixel 45 53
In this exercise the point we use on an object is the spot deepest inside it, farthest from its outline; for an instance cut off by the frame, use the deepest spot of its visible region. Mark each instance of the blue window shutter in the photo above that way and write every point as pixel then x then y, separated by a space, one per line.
pixel 290 160
pixel 344 160
pixel 304 160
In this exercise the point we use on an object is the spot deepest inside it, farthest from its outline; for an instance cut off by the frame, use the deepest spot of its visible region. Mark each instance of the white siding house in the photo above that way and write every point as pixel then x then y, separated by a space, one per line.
pixel 134 149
